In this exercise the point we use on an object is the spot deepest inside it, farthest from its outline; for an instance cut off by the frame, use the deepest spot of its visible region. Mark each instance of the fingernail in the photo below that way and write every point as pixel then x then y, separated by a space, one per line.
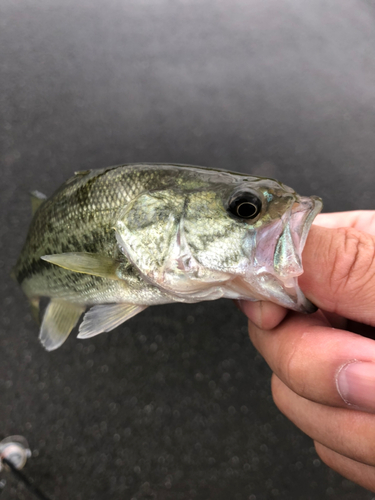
pixel 356 385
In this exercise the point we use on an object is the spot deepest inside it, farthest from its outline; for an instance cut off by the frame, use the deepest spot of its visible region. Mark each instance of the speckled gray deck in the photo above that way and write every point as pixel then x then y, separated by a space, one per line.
pixel 175 404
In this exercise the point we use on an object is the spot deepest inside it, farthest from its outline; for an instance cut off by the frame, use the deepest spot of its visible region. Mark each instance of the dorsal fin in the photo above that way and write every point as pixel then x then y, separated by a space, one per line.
pixel 37 198
pixel 59 320
pixel 86 263
pixel 82 172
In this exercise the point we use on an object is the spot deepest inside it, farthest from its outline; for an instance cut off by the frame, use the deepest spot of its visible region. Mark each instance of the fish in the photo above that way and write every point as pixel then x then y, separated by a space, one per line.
pixel 111 242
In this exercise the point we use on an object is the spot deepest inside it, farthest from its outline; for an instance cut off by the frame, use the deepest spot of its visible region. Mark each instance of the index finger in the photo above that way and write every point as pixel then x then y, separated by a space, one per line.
pixel 320 363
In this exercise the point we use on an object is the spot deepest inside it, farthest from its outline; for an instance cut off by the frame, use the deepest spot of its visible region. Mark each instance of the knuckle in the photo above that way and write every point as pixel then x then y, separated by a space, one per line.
pixel 292 367
pixel 295 374
pixel 353 261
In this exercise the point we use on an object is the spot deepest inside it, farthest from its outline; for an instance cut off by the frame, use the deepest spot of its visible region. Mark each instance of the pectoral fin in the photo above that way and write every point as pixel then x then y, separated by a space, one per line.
pixel 58 321
pixel 86 263
pixel 104 318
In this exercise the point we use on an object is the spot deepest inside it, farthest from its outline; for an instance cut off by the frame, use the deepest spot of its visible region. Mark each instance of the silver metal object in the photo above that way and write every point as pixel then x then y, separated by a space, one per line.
pixel 16 450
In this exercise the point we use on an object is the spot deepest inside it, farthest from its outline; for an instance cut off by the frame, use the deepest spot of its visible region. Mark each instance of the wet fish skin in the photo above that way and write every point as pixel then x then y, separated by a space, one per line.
pixel 122 238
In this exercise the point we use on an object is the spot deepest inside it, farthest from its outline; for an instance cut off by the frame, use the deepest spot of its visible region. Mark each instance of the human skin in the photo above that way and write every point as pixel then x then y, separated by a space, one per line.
pixel 324 364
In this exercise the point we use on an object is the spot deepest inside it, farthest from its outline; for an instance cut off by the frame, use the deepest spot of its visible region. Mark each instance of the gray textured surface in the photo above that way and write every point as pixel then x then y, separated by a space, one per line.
pixel 176 403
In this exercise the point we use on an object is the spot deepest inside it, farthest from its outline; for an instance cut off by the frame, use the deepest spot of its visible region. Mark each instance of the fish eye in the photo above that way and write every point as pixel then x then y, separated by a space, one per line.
pixel 245 206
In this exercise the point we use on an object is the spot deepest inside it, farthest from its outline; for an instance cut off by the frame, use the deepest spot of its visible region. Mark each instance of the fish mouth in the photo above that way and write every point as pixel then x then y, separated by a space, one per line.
pixel 288 252
pixel 287 259
pixel 277 266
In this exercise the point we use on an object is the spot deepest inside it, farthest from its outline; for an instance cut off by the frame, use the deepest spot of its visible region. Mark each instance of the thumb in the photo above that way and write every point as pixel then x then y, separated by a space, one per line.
pixel 339 272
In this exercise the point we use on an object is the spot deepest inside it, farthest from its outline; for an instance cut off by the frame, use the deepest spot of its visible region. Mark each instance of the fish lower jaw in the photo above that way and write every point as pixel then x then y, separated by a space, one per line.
pixel 269 286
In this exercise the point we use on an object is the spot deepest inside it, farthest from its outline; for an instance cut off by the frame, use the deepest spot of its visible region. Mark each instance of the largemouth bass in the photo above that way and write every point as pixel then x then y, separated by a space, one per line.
pixel 123 238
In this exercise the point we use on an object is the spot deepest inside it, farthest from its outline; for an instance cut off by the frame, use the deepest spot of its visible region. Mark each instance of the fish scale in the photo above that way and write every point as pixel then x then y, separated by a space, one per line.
pixel 126 237
pixel 75 204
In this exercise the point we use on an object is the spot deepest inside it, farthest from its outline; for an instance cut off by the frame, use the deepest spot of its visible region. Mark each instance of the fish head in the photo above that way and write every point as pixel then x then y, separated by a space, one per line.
pixel 228 236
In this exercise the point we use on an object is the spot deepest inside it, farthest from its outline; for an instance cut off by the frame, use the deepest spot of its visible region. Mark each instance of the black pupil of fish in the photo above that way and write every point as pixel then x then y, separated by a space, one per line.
pixel 245 207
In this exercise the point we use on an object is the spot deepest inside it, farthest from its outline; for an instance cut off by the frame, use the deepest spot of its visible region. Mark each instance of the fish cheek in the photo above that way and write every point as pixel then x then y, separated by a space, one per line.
pixel 216 240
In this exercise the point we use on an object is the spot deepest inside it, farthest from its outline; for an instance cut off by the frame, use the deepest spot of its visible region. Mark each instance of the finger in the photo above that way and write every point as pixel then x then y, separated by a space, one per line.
pixel 337 321
pixel 339 272
pixel 266 315
pixel 363 220
pixel 361 474
pixel 350 433
pixel 318 362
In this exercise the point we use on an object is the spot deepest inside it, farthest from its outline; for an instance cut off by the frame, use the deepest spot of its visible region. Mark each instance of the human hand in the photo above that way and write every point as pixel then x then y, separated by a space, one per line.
pixel 323 367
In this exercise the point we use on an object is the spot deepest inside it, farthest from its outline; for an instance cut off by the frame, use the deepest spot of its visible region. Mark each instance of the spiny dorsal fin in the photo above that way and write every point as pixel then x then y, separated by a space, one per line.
pixel 86 263
pixel 59 320
pixel 82 172
pixel 37 198
pixel 106 317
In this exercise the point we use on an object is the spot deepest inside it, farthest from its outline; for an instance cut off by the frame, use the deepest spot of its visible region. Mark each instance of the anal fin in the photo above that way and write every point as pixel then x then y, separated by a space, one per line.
pixel 59 320
pixel 106 317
